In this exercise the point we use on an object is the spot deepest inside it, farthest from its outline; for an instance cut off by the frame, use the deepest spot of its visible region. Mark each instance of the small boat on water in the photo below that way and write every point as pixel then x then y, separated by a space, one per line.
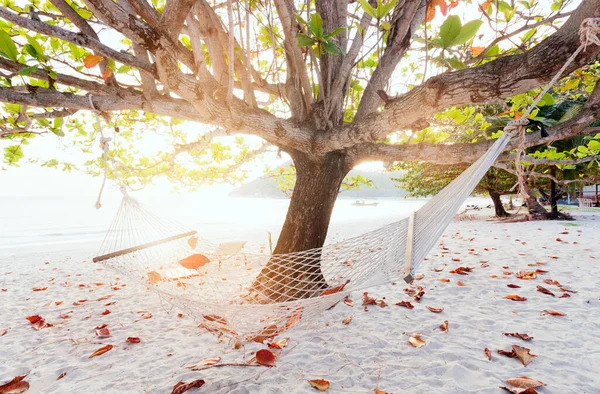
pixel 363 203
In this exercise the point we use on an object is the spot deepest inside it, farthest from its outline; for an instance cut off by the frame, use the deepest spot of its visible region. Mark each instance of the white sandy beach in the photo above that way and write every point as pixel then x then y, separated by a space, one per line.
pixel 370 352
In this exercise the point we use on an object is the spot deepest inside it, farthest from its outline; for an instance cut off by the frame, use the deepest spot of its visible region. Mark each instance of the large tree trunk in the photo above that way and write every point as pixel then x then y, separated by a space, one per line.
pixel 553 196
pixel 533 205
pixel 498 207
pixel 305 227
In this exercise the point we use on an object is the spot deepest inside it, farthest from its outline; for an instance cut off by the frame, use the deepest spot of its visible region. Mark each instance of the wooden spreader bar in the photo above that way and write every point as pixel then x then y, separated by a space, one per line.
pixel 143 246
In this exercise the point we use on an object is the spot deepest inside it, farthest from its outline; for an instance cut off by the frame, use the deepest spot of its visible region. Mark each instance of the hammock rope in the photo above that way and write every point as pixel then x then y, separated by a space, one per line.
pixel 225 289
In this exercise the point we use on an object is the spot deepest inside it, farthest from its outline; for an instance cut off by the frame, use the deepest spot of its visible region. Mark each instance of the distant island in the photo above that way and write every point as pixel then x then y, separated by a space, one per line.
pixel 383 186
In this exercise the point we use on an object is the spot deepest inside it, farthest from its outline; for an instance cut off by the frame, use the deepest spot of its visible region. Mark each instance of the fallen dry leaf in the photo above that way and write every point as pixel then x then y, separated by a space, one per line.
pixel 34 319
pixel 182 387
pixel 319 384
pixel 526 275
pixel 530 390
pixel 460 283
pixel 101 351
pixel 552 313
pixel 508 353
pixel 405 304
pixel 462 270
pixel 62 375
pixel 280 344
pixel 348 301
pixel 524 337
pixel 542 289
pixel 565 295
pixel 377 391
pixel 205 362
pixel 444 280
pixel 347 320
pixel 435 310
pixel 194 261
pixel 366 300
pixel 515 297
pixel 552 282
pixel 416 340
pixel 40 288
pixel 103 332
pixel 133 340
pixel 488 354
pixel 444 326
pixel 567 290
pixel 513 286
pixel 334 290
pixel 16 386
pixel 523 382
pixel 3 332
pixel 106 312
pixel 265 357
pixel 523 354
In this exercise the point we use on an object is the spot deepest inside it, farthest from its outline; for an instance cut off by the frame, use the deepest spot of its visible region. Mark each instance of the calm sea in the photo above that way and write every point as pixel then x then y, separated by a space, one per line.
pixel 30 224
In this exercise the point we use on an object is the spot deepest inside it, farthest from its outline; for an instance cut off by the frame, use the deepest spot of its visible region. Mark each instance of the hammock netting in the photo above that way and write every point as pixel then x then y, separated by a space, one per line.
pixel 217 284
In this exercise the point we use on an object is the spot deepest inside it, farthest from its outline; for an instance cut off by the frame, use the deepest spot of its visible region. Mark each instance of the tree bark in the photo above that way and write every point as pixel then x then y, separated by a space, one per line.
pixel 305 227
pixel 553 196
pixel 498 207
pixel 533 205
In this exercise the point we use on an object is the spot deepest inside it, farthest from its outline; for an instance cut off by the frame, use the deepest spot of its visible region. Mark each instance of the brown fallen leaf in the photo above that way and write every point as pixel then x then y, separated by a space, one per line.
pixel 103 332
pixel 194 261
pixel 524 337
pixel 405 304
pixel 552 282
pixel 366 300
pixel 347 320
pixel 508 353
pixel 62 375
pixel 462 270
pixel 416 340
pixel 101 351
pixel 280 344
pixel 3 332
pixel 40 288
pixel 513 286
pixel 515 297
pixel 34 319
pixel 526 275
pixel 565 295
pixel 133 340
pixel 488 354
pixel 348 301
pixel 319 384
pixel 444 280
pixel 523 354
pixel 567 290
pixel 435 310
pixel 444 326
pixel 523 382
pixel 377 391
pixel 205 362
pixel 334 290
pixel 16 386
pixel 265 357
pixel 552 313
pixel 542 289
pixel 182 387
pixel 460 283
pixel 530 390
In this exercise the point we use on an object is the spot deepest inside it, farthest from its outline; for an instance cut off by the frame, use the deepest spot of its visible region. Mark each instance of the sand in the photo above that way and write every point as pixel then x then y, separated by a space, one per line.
pixel 370 352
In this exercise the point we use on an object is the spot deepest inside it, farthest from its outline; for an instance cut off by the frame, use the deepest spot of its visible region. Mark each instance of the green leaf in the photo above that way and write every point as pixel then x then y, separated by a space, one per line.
pixel 316 25
pixel 547 99
pixel 38 48
pixel 8 48
pixel 455 63
pixel 449 30
pixel 384 9
pixel 527 36
pixel 304 40
pixel 25 71
pixel 467 32
pixel 335 32
pixel 368 9
pixel 301 20
pixel 331 48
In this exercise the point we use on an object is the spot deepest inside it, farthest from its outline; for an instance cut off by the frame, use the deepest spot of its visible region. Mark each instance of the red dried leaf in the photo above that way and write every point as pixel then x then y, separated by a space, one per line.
pixel 513 286
pixel 462 270
pixel 265 357
pixel 106 312
pixel 279 344
pixel 488 354
pixel 460 283
pixel 522 353
pixel 567 290
pixel 545 291
pixel 348 301
pixel 435 310
pixel 40 288
pixel 194 261
pixel 523 382
pixel 405 304
pixel 101 326
pixel 416 341
pixel 552 282
pixel 103 332
pixel 552 313
pixel 565 295
pixel 3 332
pixel 62 375
pixel 526 275
pixel 92 61
pixel 34 319
pixel 182 387
pixel 524 337
pixel 334 290
pixel 319 384
pixel 133 340
pixel 346 321
pixel 216 319
pixel 366 300
pixel 16 386
pixel 101 351
pixel 444 280
pixel 444 326
pixel 515 297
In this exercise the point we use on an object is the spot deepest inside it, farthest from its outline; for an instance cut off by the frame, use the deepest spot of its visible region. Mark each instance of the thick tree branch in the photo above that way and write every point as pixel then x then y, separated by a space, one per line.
pixel 487 83
pixel 75 38
pixel 538 161
pixel 174 14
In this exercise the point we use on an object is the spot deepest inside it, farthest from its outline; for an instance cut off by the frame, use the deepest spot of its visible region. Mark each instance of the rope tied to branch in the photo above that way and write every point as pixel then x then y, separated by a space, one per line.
pixel 589 31
pixel 105 146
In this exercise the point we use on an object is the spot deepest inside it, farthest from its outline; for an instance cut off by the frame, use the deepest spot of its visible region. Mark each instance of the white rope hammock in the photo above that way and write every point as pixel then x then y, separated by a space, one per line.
pixel 218 285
